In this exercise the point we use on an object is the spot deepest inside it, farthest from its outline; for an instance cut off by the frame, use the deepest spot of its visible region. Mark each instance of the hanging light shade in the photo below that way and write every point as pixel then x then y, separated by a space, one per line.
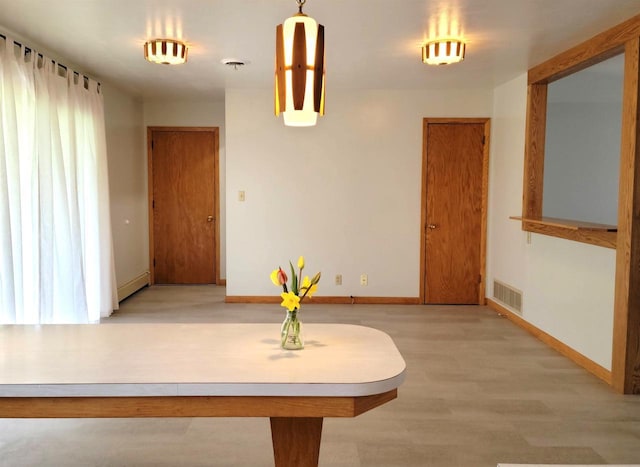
pixel 299 75
pixel 166 51
pixel 443 52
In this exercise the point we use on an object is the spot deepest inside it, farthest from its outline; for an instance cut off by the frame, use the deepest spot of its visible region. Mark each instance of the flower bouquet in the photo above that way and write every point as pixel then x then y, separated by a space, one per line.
pixel 301 288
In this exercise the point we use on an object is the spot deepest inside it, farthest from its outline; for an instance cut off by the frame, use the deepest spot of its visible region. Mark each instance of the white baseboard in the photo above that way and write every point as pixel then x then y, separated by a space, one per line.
pixel 133 286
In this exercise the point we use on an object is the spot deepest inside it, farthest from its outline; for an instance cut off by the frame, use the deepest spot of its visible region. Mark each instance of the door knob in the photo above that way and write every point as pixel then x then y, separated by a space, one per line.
pixel 432 226
pixel 209 218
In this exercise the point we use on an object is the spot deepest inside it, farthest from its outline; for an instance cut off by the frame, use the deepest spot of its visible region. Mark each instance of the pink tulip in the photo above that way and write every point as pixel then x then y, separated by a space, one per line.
pixel 282 277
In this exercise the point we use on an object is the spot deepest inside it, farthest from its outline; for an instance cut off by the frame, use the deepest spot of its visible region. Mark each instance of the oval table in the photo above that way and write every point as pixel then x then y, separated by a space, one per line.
pixel 200 370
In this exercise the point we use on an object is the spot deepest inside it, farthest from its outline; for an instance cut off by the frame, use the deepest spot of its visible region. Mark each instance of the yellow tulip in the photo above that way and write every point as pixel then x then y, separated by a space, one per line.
pixel 290 301
pixel 274 277
pixel 301 262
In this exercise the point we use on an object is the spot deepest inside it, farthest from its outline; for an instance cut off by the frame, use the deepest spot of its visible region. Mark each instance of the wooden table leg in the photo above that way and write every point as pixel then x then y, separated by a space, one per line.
pixel 296 441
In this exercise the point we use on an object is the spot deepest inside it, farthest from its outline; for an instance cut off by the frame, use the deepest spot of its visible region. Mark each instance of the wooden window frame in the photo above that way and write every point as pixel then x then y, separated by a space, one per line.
pixel 591 52
pixel 623 38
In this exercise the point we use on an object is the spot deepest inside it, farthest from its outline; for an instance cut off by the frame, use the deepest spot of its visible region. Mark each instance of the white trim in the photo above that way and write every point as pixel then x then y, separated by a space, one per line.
pixel 199 389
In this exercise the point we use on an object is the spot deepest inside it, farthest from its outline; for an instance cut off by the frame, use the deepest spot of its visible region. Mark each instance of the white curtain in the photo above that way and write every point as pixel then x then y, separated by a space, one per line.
pixel 56 257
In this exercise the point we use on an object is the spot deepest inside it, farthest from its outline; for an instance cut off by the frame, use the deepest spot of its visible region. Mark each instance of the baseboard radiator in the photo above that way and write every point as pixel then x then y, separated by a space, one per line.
pixel 134 285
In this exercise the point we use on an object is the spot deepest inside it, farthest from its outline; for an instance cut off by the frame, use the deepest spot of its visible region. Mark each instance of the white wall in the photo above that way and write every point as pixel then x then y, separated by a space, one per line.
pixel 127 183
pixel 582 161
pixel 567 286
pixel 195 113
pixel 345 194
pixel 582 144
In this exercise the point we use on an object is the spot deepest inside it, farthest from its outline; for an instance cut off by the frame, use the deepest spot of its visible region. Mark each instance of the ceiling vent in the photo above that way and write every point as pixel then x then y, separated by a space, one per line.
pixel 233 62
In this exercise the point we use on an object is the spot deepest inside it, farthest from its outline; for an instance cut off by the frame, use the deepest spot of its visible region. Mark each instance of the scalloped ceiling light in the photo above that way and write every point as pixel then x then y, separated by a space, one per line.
pixel 166 51
pixel 443 51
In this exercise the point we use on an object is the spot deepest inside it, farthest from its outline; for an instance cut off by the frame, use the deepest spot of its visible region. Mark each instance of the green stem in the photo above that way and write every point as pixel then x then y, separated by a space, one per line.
pixel 306 291
pixel 285 335
pixel 300 278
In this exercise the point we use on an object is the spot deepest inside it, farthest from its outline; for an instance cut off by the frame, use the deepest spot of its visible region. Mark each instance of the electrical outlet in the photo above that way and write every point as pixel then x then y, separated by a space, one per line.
pixel 364 279
pixel 338 279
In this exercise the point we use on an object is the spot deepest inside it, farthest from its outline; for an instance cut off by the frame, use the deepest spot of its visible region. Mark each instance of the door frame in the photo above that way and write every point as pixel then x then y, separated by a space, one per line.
pixel 485 194
pixel 216 189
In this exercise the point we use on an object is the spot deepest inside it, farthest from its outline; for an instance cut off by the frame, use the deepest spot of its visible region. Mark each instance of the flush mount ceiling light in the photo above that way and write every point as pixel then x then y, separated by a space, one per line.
pixel 166 51
pixel 299 75
pixel 443 51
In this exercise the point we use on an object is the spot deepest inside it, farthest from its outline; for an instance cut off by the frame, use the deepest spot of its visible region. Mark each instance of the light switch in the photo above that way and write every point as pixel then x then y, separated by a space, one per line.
pixel 241 195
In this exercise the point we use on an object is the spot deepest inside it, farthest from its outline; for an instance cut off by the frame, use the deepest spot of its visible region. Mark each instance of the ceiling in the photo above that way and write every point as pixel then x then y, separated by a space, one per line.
pixel 370 44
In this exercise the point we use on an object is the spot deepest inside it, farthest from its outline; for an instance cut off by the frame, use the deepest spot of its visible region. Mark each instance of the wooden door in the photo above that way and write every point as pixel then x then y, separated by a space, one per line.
pixel 183 205
pixel 455 219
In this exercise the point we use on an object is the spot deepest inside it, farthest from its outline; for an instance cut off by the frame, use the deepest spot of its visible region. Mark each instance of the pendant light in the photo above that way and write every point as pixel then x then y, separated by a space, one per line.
pixel 299 74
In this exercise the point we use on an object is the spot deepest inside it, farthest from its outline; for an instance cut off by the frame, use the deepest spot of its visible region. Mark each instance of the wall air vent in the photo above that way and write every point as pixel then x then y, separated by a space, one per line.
pixel 508 296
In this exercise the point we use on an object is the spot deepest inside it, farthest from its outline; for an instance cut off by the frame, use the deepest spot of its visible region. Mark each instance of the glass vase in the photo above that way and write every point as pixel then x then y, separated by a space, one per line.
pixel 291 332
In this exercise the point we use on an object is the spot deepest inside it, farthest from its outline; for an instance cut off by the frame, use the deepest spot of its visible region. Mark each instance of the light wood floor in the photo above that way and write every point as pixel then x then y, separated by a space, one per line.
pixel 479 391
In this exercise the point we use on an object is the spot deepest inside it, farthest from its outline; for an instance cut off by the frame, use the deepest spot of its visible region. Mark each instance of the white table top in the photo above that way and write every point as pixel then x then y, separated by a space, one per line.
pixel 195 360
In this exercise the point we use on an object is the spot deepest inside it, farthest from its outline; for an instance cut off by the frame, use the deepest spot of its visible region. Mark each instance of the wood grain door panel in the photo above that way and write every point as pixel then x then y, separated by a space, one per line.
pixel 183 207
pixel 454 194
